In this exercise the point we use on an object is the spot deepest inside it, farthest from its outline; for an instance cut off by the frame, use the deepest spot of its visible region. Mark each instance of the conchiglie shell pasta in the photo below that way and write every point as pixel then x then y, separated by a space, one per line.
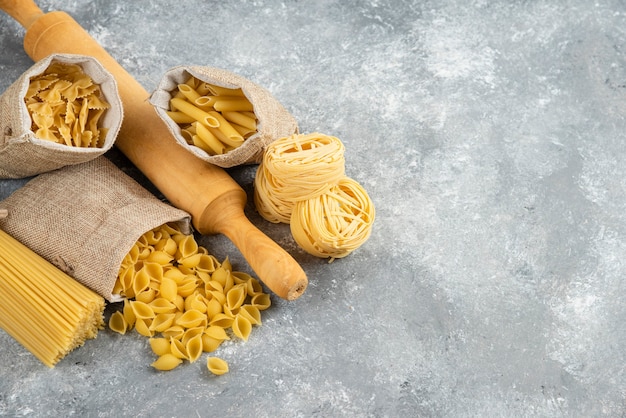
pixel 242 327
pixel 167 362
pixel 160 346
pixel 186 310
pixel 117 323
pixel 217 366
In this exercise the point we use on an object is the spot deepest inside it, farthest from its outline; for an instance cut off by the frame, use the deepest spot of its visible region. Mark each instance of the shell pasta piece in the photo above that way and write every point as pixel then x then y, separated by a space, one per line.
pixel 167 362
pixel 184 300
pixel 217 365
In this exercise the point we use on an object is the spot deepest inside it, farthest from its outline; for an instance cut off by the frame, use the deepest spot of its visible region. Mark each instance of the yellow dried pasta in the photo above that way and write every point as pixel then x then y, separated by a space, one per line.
pixel 295 168
pixel 44 309
pixel 217 365
pixel 66 106
pixel 301 181
pixel 189 304
pixel 213 118
pixel 166 362
pixel 335 223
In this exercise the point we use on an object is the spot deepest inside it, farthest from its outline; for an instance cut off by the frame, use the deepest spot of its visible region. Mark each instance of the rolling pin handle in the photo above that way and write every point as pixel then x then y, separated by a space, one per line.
pixel 25 12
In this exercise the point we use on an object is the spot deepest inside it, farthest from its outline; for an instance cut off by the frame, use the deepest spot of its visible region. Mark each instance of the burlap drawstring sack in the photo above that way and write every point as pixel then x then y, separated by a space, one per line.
pixel 274 121
pixel 85 218
pixel 24 155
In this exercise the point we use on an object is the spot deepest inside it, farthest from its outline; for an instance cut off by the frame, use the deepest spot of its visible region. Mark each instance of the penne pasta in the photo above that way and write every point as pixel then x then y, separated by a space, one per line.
pixel 191 110
pixel 232 104
pixel 213 118
pixel 180 117
pixel 241 119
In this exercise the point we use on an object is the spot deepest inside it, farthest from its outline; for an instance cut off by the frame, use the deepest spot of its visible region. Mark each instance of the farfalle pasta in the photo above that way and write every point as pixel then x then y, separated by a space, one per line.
pixel 66 106
pixel 64 110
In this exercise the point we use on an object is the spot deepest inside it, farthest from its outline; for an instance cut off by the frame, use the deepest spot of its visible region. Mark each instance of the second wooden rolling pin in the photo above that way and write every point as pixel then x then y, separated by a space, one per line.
pixel 214 200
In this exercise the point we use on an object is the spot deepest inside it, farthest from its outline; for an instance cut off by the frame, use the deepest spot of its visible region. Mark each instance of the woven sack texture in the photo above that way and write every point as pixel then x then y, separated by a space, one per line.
pixel 85 218
pixel 21 153
pixel 274 121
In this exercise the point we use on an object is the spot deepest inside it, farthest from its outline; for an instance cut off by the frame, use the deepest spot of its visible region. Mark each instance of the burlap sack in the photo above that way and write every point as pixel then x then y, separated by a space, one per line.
pixel 85 218
pixel 274 121
pixel 24 155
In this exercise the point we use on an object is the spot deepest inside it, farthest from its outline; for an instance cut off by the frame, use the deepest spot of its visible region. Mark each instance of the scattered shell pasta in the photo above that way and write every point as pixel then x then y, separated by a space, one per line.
pixel 217 365
pixel 184 300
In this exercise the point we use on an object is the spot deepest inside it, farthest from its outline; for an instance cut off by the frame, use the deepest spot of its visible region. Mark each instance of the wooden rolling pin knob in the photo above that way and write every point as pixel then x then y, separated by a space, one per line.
pixel 213 199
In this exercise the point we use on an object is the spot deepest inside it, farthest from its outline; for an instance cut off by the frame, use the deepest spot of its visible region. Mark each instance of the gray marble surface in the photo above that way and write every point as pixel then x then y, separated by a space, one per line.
pixel 491 137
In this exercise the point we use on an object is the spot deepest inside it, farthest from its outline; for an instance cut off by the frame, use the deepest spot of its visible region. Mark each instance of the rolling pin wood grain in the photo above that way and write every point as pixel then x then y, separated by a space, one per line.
pixel 213 199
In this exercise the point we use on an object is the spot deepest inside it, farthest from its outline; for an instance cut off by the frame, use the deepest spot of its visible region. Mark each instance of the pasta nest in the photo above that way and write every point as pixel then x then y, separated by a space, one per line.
pixel 301 181
pixel 335 223
pixel 296 168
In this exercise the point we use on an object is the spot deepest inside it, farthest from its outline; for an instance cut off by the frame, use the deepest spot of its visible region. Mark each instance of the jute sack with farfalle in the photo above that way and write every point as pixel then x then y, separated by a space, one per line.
pixel 85 218
pixel 221 117
pixel 64 110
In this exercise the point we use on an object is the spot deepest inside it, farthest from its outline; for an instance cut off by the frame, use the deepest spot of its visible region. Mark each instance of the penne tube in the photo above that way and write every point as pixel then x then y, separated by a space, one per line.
pixel 205 102
pixel 203 88
pixel 240 119
pixel 243 131
pixel 188 135
pixel 230 142
pixel 188 91
pixel 234 138
pixel 232 104
pixel 192 82
pixel 223 91
pixel 180 117
pixel 209 139
pixel 195 112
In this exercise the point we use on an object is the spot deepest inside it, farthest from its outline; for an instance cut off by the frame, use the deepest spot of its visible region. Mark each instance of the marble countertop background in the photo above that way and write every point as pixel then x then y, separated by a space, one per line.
pixel 491 136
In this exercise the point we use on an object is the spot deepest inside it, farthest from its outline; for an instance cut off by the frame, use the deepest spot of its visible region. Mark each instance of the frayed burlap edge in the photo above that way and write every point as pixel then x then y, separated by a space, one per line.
pixel 21 153
pixel 85 218
pixel 274 121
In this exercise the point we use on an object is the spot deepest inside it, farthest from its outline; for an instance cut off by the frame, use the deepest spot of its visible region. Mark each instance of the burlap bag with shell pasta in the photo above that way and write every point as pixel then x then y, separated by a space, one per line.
pixel 85 218
pixel 274 121
pixel 22 154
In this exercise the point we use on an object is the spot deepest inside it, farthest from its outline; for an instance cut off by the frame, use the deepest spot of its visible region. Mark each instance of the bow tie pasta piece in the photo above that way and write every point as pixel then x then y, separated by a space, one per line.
pixel 65 90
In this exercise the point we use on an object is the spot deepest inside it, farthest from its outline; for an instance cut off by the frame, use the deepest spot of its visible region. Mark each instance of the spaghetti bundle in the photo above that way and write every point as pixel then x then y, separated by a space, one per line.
pixel 301 181
pixel 44 309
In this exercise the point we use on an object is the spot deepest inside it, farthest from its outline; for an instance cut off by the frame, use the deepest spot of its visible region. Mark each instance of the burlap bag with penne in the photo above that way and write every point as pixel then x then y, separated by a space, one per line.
pixel 221 117
pixel 85 218
pixel 64 110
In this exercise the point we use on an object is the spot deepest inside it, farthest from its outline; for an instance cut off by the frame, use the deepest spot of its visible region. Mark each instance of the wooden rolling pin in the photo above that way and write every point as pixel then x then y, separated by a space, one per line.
pixel 213 199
